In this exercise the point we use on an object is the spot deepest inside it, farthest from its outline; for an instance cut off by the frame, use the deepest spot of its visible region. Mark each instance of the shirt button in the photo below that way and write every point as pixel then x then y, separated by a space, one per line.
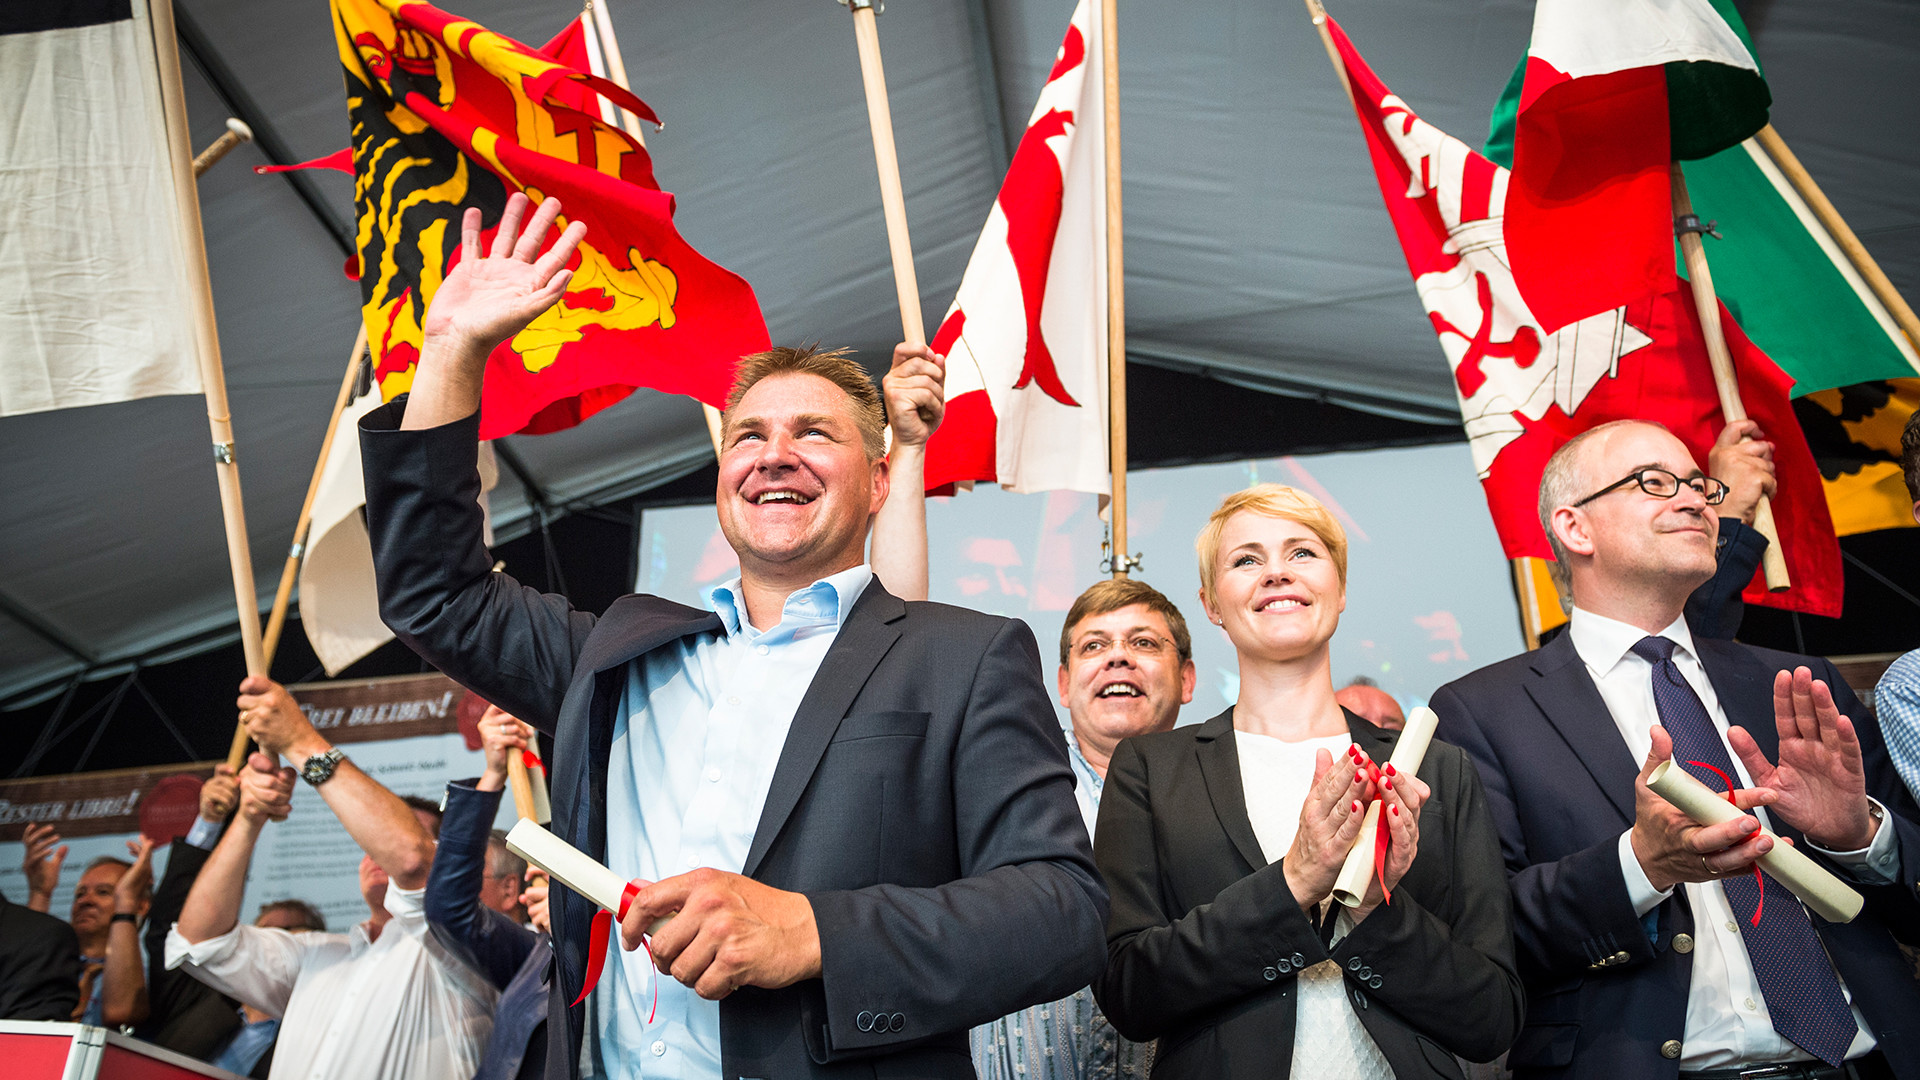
pixel 693 862
pixel 733 701
pixel 713 775
pixel 1732 927
pixel 659 1047
pixel 1749 1003
pixel 761 649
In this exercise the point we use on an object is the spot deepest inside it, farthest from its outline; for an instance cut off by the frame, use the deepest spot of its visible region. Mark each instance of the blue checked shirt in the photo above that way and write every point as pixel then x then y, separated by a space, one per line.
pixel 1896 701
pixel 1069 1039
pixel 695 741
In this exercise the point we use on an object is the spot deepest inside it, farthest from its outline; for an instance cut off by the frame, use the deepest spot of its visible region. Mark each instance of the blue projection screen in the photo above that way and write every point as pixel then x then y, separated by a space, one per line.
pixel 1429 596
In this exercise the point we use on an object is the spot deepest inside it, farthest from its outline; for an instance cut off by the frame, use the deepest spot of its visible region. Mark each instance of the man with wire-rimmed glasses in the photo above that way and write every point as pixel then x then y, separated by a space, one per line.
pixel 1639 933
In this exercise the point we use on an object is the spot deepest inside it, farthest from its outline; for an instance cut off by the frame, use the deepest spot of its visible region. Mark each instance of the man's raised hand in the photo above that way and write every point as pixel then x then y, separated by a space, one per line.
pixel 1821 780
pixel 488 299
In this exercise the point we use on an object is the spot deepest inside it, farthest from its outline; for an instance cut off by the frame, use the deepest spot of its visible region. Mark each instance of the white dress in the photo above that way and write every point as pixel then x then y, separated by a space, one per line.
pixel 1329 1042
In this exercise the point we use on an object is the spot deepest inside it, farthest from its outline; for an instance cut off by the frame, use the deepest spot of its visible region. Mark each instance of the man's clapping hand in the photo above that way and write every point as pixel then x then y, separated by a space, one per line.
pixel 726 931
pixel 1820 784
pixel 44 857
pixel 1673 848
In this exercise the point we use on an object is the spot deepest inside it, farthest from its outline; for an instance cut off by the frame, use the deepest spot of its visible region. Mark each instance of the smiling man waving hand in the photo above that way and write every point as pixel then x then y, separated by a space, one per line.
pixel 857 810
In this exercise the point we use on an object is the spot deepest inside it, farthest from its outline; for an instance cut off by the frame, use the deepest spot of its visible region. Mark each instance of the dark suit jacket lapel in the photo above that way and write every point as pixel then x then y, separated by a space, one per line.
pixel 1572 704
pixel 1219 760
pixel 869 630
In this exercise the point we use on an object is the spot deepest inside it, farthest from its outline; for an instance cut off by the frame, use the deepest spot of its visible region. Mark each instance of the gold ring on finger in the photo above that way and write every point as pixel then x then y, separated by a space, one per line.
pixel 1711 872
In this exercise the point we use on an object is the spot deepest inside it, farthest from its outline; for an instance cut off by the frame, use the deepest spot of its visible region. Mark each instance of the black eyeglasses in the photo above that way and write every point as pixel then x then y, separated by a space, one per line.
pixel 1662 484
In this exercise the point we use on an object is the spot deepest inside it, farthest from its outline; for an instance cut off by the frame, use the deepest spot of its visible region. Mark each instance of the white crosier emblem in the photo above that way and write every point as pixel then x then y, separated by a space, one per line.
pixel 1503 367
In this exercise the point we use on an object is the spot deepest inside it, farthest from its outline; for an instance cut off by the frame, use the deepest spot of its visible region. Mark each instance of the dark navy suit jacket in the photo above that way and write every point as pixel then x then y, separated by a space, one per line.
pixel 514 958
pixel 922 800
pixel 1604 995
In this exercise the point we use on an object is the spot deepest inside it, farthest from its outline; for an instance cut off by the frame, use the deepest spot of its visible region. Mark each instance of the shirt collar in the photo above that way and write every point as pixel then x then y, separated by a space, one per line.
pixel 825 602
pixel 1602 642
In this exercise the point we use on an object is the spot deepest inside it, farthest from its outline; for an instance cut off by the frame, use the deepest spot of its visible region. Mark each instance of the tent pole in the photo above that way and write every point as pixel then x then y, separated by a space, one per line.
pixel 1123 560
pixel 212 377
pixel 277 619
pixel 1774 562
pixel 1822 208
pixel 609 45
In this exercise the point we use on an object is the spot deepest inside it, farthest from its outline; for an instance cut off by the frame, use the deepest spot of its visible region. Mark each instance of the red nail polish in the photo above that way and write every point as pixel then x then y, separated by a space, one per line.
pixel 1390 769
pixel 1395 810
pixel 1388 784
pixel 1356 808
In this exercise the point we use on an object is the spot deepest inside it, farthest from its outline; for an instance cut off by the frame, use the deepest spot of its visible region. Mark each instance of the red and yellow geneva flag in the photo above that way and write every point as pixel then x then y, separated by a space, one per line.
pixel 447 114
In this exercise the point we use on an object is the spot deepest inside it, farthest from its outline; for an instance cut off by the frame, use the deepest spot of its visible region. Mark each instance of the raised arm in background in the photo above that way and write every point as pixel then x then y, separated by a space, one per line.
pixel 915 390
pixel 495 944
pixel 384 827
pixel 44 856
pixel 123 998
pixel 213 904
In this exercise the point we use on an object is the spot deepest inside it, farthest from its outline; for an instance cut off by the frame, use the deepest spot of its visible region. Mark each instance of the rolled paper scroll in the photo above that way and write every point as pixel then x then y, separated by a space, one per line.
pixel 565 864
pixel 1829 897
pixel 1350 888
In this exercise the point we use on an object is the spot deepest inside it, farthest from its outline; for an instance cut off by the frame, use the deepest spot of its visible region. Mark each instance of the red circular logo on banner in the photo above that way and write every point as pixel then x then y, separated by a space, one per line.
pixel 169 809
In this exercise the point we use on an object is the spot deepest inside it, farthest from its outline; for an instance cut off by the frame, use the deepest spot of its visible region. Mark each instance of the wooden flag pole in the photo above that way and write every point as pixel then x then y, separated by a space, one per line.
pixel 1319 16
pixel 237 133
pixel 1123 560
pixel 1773 563
pixel 277 618
pixel 601 36
pixel 212 378
pixel 893 200
pixel 1823 208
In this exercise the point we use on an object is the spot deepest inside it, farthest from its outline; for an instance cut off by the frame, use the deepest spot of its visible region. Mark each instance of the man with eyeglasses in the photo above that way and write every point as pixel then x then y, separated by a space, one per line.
pixel 1648 945
pixel 1126 667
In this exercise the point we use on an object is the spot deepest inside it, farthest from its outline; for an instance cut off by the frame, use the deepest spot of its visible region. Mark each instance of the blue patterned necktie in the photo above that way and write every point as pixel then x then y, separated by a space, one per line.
pixel 1802 992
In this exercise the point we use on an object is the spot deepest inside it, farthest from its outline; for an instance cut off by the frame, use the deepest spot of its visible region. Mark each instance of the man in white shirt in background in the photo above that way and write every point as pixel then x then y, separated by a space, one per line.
pixel 1126 667
pixel 1636 928
pixel 383 1002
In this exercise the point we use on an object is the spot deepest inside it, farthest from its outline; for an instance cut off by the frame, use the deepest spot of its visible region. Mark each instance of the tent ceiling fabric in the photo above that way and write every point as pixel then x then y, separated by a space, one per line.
pixel 1257 248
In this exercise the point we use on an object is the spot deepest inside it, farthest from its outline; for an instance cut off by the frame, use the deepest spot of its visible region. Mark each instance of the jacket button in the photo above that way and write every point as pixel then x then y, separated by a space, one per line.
pixel 1683 943
pixel 1283 967
pixel 1365 973
pixel 1299 961
pixel 1620 957
pixel 1670 1049
pixel 1353 964
pixel 1374 982
pixel 1269 974
pixel 899 1022
pixel 864 1021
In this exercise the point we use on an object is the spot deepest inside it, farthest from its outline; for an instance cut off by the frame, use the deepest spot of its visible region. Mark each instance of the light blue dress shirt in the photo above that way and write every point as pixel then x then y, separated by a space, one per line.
pixel 1896 701
pixel 695 741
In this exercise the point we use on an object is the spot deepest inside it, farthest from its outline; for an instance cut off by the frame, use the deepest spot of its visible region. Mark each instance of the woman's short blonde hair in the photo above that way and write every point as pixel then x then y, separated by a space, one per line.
pixel 1275 501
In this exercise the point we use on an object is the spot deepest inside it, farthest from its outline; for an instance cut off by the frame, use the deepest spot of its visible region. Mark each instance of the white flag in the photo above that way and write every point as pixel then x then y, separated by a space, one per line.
pixel 339 601
pixel 1026 338
pixel 96 302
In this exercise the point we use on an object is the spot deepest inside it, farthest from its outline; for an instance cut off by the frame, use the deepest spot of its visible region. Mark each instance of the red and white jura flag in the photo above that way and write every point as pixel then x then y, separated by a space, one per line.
pixel 1026 338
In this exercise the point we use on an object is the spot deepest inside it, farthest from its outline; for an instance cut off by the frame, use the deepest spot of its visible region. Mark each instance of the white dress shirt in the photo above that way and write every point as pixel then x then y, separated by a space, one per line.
pixel 695 742
pixel 1727 1019
pixel 399 1008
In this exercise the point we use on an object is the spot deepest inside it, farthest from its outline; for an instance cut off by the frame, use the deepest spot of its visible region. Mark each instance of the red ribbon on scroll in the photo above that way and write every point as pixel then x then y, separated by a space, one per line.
pixel 1759 881
pixel 599 934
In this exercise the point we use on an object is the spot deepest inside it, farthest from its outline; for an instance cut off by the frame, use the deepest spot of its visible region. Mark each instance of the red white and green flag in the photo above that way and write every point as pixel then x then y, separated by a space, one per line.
pixel 1611 94
pixel 1525 388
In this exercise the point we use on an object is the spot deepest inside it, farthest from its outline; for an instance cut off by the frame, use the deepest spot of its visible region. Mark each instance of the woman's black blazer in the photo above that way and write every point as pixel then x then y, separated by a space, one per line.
pixel 1205 939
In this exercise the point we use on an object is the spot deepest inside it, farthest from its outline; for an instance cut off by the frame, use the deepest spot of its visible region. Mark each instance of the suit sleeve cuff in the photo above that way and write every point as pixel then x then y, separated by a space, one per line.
pixel 204 834
pixel 1640 891
pixel 1876 864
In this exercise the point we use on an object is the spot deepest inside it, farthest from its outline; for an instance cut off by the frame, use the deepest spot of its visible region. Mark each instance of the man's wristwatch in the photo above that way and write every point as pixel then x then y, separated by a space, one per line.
pixel 319 768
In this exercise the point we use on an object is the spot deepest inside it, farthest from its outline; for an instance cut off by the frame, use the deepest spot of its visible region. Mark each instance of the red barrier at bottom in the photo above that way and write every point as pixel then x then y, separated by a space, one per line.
pixel 53 1051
